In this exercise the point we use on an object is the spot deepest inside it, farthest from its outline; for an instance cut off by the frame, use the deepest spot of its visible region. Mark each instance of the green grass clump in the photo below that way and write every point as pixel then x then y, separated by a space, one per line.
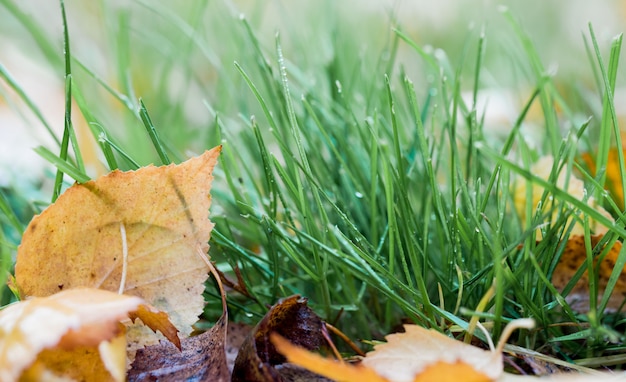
pixel 368 183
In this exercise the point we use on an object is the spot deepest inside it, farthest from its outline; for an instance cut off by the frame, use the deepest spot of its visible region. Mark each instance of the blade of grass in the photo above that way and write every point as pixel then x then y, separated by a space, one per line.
pixel 154 136
pixel 63 166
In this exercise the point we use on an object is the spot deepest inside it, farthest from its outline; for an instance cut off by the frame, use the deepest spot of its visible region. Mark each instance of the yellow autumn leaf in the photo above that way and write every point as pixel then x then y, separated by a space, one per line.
pixel 74 333
pixel 158 216
pixel 573 186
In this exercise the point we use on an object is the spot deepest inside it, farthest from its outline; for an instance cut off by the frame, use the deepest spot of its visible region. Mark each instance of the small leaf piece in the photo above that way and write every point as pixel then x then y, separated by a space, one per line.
pixel 163 215
pixel 46 335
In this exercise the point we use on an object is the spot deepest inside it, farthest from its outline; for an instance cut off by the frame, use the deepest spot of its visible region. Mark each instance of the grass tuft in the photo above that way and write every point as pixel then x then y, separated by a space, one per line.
pixel 367 177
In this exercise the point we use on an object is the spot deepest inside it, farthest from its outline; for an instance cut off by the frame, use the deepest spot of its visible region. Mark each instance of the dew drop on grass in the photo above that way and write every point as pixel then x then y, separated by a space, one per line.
pixel 339 88
pixel 358 195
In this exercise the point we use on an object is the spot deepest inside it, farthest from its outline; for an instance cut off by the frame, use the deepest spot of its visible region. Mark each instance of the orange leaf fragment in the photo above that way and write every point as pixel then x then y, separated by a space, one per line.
pixel 442 371
pixel 157 320
pixel 573 257
pixel 324 366
pixel 67 333
pixel 160 214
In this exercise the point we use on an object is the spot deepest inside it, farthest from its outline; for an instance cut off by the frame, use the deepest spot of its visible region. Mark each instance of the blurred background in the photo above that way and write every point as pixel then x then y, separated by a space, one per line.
pixel 178 57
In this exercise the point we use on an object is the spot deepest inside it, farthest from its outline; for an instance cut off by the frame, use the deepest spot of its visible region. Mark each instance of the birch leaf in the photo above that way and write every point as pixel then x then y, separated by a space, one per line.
pixel 159 213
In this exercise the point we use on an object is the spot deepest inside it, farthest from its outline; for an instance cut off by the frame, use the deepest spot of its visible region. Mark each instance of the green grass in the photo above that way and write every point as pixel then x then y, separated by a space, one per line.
pixel 352 176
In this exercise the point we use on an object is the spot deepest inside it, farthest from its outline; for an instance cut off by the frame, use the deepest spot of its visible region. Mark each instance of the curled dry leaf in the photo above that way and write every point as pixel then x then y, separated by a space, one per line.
pixel 74 333
pixel 159 213
pixel 258 359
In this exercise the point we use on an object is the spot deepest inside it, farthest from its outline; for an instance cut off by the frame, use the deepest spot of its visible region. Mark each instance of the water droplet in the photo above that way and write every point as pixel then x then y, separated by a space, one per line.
pixel 358 195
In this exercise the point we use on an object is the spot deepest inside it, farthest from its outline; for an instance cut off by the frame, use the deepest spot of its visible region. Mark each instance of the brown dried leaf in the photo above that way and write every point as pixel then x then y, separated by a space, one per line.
pixel 78 241
pixel 202 359
pixel 63 334
pixel 291 318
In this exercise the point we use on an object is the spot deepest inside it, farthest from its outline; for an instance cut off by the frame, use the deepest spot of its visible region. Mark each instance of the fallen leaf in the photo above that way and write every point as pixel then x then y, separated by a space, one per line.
pixel 573 257
pixel 387 369
pixel 63 335
pixel 291 318
pixel 203 357
pixel 406 355
pixel 416 355
pixel 159 213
